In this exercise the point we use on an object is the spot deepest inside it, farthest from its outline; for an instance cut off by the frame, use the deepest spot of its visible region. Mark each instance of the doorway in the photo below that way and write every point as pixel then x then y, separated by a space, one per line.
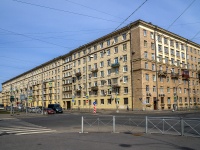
pixel 155 103
pixel 68 105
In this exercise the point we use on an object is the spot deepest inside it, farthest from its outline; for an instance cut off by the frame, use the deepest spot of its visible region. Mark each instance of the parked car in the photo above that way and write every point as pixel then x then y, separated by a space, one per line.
pixel 1 107
pixel 49 111
pixel 34 110
pixel 56 107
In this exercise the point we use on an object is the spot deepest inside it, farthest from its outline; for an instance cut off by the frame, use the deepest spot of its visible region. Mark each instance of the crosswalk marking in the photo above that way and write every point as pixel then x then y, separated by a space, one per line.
pixel 22 128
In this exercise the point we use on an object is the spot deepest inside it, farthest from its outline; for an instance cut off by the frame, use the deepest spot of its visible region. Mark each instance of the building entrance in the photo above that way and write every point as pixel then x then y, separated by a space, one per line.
pixel 155 103
pixel 68 105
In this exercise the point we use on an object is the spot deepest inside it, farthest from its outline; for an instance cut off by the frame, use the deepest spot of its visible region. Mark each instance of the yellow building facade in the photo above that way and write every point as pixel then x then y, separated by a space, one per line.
pixel 138 67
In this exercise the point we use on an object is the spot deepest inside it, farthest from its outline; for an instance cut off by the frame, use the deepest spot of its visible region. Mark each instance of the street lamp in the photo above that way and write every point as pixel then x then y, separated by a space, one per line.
pixel 176 96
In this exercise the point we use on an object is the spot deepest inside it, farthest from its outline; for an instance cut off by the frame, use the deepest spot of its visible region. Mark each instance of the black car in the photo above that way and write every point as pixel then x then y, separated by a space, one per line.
pixel 56 107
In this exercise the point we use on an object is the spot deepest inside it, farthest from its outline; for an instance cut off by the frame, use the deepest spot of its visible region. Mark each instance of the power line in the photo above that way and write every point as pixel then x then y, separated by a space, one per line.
pixel 93 9
pixel 195 35
pixel 181 14
pixel 131 14
pixel 65 11
pixel 32 38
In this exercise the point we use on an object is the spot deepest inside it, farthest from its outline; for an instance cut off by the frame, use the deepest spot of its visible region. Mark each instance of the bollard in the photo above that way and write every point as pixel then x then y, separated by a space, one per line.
pixel 182 126
pixel 146 127
pixel 113 124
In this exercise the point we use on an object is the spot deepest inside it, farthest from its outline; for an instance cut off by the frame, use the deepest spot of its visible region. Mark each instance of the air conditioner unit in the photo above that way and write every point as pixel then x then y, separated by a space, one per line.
pixel 121 57
pixel 104 51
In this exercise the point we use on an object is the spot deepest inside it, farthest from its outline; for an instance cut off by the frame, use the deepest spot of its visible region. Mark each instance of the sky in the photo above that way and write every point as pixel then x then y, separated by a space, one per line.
pixel 33 32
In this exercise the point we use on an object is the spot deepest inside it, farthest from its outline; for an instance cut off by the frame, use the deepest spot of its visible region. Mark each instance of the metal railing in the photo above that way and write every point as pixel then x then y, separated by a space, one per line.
pixel 149 125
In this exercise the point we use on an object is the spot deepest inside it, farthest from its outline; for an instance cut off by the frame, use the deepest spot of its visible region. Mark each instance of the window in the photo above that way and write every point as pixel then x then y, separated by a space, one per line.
pixel 172 52
pixel 115 39
pixel 168 90
pixel 153 67
pixel 177 53
pixel 145 43
pixel 124 47
pixel 165 40
pixel 183 55
pixel 108 62
pixel 159 38
pixel 160 48
pixel 166 60
pixel 147 77
pixel 116 50
pixel 153 56
pixel 116 70
pixel 108 52
pixel 109 82
pixel 125 68
pixel 145 32
pixel 108 42
pixel 101 45
pixel 172 43
pixel 154 89
pixel 125 79
pixel 166 50
pixel 125 90
pixel 152 35
pixel 101 54
pixel 124 36
pixel 125 101
pixel 102 73
pixel 154 77
pixel 146 65
pixel 145 55
pixel 152 46
pixel 95 47
pixel 95 74
pixel 168 100
pixel 109 71
pixel 124 57
pixel 116 60
pixel 177 44
pixel 109 101
pixel 95 56
pixel 101 64
pixel 102 101
pixel 147 88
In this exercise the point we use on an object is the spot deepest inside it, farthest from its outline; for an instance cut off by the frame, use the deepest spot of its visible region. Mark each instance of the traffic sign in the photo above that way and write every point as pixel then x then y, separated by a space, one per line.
pixel 73 101
pixel 94 103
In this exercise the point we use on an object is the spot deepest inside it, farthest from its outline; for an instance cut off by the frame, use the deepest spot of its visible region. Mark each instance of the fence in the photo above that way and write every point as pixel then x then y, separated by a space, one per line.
pixel 160 125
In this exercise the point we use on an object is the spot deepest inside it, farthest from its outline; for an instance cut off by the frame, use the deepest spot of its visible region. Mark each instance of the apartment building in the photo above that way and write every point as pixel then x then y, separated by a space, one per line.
pixel 140 66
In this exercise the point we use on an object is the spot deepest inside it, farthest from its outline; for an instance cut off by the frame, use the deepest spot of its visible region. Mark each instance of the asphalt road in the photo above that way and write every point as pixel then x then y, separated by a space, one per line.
pixel 61 132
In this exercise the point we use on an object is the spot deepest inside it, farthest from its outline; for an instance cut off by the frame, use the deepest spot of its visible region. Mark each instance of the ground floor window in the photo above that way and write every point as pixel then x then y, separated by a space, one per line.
pixel 147 100
pixel 168 100
pixel 79 102
pixel 125 101
pixel 102 101
pixel 109 101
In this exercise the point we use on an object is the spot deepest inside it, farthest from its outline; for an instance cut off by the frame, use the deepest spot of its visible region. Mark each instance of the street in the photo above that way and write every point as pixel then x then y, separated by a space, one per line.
pixel 61 131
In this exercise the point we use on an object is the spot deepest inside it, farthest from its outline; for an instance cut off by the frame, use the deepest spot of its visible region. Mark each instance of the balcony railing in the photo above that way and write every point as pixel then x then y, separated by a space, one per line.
pixel 115 85
pixel 162 73
pixel 115 65
pixel 94 88
pixel 94 70
pixel 174 75
pixel 78 74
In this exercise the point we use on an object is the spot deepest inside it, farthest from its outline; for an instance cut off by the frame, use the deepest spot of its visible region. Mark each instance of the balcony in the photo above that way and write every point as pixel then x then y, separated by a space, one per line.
pixel 78 74
pixel 94 88
pixel 115 85
pixel 162 73
pixel 94 70
pixel 115 65
pixel 174 75
pixel 78 90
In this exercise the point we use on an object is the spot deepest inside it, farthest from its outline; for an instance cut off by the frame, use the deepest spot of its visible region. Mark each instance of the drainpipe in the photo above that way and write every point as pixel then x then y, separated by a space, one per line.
pixel 156 66
pixel 131 60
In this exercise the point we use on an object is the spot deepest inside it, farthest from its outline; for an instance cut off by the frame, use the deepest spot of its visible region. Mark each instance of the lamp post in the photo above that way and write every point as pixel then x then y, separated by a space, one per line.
pixel 176 96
